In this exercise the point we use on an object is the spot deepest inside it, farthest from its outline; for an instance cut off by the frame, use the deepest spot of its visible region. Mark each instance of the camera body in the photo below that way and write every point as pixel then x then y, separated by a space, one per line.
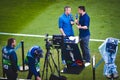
pixel 56 41
pixel 111 45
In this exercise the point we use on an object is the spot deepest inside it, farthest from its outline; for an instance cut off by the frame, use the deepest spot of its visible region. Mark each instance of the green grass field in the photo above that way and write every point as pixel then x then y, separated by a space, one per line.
pixel 41 17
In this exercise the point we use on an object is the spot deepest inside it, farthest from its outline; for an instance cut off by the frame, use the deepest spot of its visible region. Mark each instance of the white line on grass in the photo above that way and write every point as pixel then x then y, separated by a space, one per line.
pixel 24 35
pixel 40 36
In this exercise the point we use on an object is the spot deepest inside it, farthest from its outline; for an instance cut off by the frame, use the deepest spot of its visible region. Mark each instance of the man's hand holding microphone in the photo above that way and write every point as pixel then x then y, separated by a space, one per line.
pixel 77 22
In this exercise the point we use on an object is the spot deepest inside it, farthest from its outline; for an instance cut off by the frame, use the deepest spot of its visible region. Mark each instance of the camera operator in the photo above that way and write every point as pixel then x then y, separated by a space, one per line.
pixel 32 60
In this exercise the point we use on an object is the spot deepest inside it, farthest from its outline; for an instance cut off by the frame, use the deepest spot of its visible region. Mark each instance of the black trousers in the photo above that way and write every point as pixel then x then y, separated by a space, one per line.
pixel 11 75
pixel 30 74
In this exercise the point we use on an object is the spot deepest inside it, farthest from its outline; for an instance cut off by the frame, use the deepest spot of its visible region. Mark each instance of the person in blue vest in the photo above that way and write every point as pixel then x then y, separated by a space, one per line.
pixel 9 60
pixel 32 60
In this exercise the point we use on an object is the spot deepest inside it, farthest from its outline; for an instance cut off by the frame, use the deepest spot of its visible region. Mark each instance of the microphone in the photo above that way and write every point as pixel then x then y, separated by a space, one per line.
pixel 76 16
pixel 71 18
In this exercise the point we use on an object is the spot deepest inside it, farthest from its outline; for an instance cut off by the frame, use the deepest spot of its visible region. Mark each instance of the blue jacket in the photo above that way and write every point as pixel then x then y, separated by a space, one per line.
pixel 33 62
pixel 10 57
pixel 65 24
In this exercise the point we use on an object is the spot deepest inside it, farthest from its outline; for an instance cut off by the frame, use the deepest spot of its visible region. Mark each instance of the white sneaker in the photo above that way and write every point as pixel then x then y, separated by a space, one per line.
pixel 62 71
pixel 87 64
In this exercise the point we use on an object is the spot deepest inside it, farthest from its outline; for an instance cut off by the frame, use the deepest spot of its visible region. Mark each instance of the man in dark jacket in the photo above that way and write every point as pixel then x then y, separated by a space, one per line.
pixel 9 59
pixel 84 33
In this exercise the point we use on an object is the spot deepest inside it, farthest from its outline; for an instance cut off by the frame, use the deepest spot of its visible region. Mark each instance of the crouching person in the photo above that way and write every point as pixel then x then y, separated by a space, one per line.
pixel 32 60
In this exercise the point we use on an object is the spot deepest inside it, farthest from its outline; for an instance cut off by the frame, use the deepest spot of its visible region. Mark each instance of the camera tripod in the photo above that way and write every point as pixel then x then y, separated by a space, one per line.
pixel 47 60
pixel 58 52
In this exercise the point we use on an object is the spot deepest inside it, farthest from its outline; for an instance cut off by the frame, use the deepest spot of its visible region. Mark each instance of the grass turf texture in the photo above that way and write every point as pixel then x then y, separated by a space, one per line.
pixel 41 17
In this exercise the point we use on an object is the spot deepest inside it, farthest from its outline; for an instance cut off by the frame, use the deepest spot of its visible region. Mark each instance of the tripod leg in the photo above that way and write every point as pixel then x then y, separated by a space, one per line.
pixel 47 69
pixel 43 71
pixel 50 67
pixel 58 62
pixel 44 66
pixel 54 63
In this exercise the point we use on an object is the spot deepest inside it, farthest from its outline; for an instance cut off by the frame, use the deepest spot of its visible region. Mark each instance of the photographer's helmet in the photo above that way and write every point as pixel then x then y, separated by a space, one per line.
pixel 38 52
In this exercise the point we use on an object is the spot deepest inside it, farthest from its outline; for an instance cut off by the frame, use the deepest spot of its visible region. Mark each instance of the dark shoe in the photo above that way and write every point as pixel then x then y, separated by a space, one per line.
pixel 115 76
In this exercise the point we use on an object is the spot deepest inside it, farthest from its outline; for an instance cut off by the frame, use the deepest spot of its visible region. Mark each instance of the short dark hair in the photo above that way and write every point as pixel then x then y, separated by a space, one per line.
pixel 66 7
pixel 10 41
pixel 82 8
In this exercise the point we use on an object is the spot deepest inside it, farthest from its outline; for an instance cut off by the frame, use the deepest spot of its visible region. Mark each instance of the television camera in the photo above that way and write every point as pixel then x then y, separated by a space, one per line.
pixel 55 42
